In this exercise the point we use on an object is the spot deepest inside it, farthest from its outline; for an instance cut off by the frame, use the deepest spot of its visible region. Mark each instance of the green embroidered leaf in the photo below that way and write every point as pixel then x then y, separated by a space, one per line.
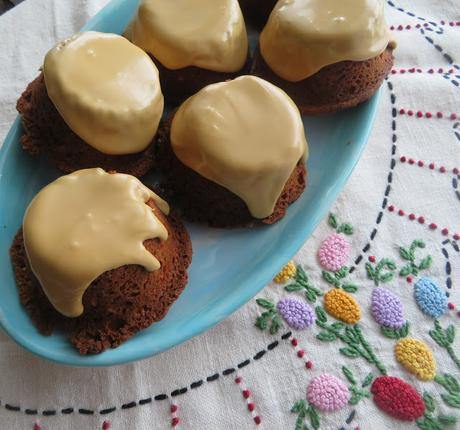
pixel 404 330
pixel 370 270
pixel 329 277
pixel 261 323
pixel 386 277
pixel 346 228
pixel 349 352
pixel 389 332
pixel 300 274
pixel 310 296
pixel 350 288
pixel 426 262
pixel 314 417
pixel 354 399
pixel 429 402
pixel 351 334
pixel 405 253
pixel 267 304
pixel 293 287
pixel 342 273
pixel 298 406
pixel 414 270
pixel 423 424
pixel 276 324
pixel 347 372
pixel 332 221
pixel 447 419
pixel 438 337
pixel 299 423
pixel 320 314
pixel 450 333
pixel 418 243
pixel 324 336
pixel 451 384
pixel 390 264
pixel 367 380
pixel 338 325
pixel 452 400
pixel 406 270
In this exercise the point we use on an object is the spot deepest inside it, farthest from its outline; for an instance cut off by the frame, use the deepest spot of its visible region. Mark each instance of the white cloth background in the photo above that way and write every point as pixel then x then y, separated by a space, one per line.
pixel 279 378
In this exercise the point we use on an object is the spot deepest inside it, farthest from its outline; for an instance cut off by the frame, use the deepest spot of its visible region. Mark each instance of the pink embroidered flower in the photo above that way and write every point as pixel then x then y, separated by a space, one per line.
pixel 327 393
pixel 334 252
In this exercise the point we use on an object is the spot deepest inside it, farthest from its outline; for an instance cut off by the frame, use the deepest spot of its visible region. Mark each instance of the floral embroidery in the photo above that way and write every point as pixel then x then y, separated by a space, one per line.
pixel 445 338
pixel 357 392
pixel 416 357
pixel 327 393
pixel 297 314
pixel 431 422
pixel 383 271
pixel 429 297
pixel 270 316
pixel 397 398
pixel 351 336
pixel 387 309
pixel 342 306
pixel 302 283
pixel 287 272
pixel 412 268
pixel 303 411
pixel 451 385
pixel 335 279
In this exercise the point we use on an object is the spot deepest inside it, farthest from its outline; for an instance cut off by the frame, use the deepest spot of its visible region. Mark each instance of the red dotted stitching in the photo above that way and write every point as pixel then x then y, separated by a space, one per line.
pixel 422 220
pixel 301 353
pixel 174 418
pixel 431 166
pixel 401 27
pixel 431 71
pixel 37 427
pixel 247 396
pixel 106 425
pixel 424 114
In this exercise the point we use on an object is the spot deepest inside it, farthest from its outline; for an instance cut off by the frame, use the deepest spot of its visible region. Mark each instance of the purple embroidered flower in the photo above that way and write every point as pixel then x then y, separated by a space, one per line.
pixel 387 309
pixel 430 298
pixel 297 314
pixel 334 252
pixel 327 393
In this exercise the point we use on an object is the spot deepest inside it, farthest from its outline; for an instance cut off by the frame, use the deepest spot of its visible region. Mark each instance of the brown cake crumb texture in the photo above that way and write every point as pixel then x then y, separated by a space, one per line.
pixel 118 303
pixel 45 132
pixel 335 87
pixel 178 85
pixel 204 201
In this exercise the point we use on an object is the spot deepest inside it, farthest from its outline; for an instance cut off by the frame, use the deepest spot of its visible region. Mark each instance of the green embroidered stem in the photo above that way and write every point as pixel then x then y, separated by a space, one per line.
pixel 431 422
pixel 335 279
pixel 451 385
pixel 377 273
pixel 269 317
pixel 302 411
pixel 351 336
pixel 445 338
pixel 408 254
pixel 393 333
pixel 340 228
pixel 357 393
pixel 302 283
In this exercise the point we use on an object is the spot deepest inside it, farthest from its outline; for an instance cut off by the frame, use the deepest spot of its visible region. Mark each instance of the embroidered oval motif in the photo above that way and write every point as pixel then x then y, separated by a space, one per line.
pixel 334 252
pixel 387 308
pixel 342 306
pixel 430 298
pixel 417 358
pixel 298 315
pixel 327 393
pixel 397 398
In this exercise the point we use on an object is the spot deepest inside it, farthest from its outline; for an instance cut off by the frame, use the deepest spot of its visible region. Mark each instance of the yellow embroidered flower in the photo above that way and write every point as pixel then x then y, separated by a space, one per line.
pixel 342 306
pixel 417 358
pixel 288 272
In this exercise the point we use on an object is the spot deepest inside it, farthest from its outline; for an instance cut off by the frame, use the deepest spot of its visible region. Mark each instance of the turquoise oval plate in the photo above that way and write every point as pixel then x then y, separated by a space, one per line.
pixel 229 266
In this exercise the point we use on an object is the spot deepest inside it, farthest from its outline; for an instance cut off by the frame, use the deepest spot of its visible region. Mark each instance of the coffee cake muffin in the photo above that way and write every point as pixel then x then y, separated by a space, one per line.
pixel 97 103
pixel 328 55
pixel 193 43
pixel 99 257
pixel 234 154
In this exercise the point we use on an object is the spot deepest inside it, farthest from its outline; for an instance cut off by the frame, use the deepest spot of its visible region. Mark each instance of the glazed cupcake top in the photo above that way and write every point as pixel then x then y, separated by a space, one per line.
pixel 245 135
pixel 209 34
pixel 84 224
pixel 302 36
pixel 106 89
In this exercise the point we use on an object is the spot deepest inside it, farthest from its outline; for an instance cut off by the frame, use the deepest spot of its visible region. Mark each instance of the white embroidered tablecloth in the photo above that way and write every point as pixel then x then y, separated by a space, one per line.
pixel 402 258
